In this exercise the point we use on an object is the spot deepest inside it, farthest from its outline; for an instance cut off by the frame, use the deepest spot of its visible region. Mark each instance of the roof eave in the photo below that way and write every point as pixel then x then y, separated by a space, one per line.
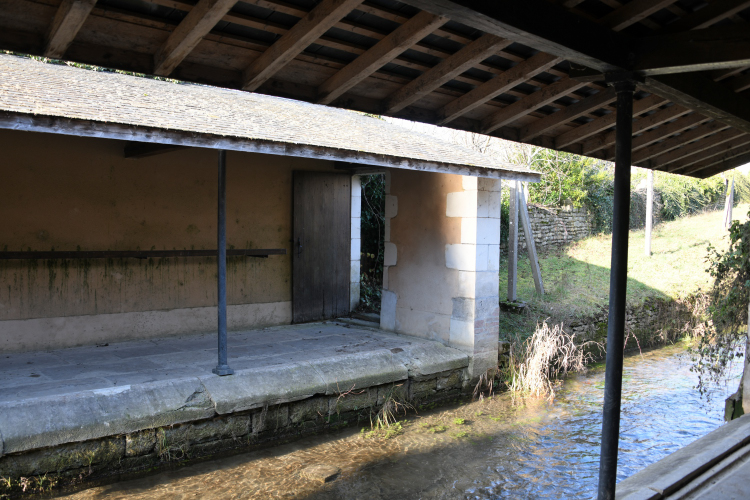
pixel 124 132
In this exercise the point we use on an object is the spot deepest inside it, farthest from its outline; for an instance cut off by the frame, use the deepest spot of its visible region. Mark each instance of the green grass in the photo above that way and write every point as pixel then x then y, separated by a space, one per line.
pixel 576 281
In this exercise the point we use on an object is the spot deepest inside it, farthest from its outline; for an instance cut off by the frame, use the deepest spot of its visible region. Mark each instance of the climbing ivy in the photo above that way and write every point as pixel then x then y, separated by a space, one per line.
pixel 726 335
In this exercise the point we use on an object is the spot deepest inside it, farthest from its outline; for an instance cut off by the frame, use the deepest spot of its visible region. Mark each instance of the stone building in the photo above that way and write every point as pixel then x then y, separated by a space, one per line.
pixel 108 234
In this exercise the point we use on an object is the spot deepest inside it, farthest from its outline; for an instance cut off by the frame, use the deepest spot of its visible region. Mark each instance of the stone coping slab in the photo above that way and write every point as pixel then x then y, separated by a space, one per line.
pixel 51 420
pixel 663 478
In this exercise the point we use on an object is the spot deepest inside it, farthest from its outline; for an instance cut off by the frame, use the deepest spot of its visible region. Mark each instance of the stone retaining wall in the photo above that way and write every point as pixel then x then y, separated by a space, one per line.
pixel 101 460
pixel 653 323
pixel 554 228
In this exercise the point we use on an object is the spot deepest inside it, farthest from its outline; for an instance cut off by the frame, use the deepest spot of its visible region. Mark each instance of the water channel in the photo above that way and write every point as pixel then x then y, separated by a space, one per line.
pixel 494 449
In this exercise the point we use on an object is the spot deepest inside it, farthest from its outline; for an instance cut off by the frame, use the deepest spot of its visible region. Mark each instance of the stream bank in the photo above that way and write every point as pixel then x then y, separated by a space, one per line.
pixel 496 448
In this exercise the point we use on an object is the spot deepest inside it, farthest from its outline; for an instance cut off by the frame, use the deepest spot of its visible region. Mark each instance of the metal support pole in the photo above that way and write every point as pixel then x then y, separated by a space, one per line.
pixel 513 242
pixel 617 290
pixel 649 211
pixel 222 368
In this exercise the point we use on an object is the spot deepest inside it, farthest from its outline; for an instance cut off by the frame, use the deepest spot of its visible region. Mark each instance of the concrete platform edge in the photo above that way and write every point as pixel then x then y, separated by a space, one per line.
pixel 54 420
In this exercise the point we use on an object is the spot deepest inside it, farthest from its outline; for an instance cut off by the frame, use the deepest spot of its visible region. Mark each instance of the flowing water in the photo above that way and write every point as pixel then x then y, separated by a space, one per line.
pixel 495 448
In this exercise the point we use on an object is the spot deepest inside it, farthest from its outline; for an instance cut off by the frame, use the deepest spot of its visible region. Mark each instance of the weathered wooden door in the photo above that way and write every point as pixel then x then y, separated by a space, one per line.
pixel 322 245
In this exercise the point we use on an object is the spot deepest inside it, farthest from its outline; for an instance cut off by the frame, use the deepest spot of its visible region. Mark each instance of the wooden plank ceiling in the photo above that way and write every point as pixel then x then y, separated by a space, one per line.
pixel 530 71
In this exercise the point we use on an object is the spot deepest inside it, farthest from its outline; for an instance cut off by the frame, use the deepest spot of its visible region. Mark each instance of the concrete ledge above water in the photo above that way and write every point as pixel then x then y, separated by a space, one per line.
pixel 365 358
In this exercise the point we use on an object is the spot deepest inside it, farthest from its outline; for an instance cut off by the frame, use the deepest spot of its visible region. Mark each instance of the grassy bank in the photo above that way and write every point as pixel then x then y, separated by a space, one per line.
pixel 576 280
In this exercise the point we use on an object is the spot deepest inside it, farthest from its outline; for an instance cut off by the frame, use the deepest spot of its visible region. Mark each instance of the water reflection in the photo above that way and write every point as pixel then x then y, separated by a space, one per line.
pixel 502 449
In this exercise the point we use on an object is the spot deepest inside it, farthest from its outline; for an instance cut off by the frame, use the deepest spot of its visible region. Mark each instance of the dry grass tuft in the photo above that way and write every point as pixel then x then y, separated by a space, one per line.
pixel 545 357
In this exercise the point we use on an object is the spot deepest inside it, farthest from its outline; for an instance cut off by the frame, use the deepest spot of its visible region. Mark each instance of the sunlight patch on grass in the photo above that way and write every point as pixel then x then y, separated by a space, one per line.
pixel 576 281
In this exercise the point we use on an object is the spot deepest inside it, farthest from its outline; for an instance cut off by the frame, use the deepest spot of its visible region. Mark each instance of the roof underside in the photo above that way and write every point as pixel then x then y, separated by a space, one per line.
pixel 498 68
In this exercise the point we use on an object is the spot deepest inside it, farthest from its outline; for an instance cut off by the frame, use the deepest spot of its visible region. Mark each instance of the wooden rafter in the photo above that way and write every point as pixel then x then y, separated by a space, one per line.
pixel 534 101
pixel 617 20
pixel 740 84
pixel 721 153
pixel 703 170
pixel 496 86
pixel 567 114
pixel 632 13
pixel 709 15
pixel 675 142
pixel 705 148
pixel 380 54
pixel 547 27
pixel 599 124
pixel 446 70
pixel 306 31
pixel 70 16
pixel 706 49
pixel 347 25
pixel 705 96
pixel 647 122
pixel 663 131
pixel 199 21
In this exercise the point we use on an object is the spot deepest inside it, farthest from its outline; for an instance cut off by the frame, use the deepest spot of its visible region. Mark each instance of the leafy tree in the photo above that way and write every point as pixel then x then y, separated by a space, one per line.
pixel 373 243
pixel 563 175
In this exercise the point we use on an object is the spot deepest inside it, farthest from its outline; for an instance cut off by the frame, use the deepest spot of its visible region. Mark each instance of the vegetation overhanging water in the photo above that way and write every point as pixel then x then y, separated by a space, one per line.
pixel 495 448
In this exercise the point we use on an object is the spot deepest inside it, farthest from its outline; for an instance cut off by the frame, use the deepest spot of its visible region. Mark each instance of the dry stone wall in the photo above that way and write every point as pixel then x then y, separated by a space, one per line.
pixel 553 228
pixel 656 322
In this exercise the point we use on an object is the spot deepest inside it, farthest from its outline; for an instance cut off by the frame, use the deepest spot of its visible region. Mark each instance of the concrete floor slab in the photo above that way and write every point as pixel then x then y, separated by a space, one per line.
pixel 55 397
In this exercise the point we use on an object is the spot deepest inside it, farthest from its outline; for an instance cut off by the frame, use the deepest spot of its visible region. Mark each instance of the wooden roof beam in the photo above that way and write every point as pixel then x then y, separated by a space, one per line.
pixel 539 24
pixel 633 12
pixel 597 125
pixel 659 134
pixel 706 49
pixel 710 146
pixel 617 20
pixel 717 167
pixel 647 122
pixel 717 154
pixel 678 126
pixel 704 96
pixel 740 84
pixel 191 30
pixel 526 105
pixel 308 29
pixel 498 85
pixel 566 114
pixel 402 38
pixel 450 67
pixel 709 15
pixel 70 16
pixel 672 143
pixel 558 31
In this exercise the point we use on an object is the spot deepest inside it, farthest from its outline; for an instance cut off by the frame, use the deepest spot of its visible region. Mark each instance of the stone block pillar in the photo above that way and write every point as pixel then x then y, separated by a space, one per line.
pixel 475 315
pixel 442 253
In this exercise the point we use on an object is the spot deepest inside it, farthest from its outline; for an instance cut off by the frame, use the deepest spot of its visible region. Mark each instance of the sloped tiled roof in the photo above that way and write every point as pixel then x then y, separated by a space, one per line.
pixel 31 87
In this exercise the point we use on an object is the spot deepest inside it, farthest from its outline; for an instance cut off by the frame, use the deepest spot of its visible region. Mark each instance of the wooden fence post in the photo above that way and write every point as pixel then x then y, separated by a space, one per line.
pixel 649 211
pixel 531 246
pixel 513 243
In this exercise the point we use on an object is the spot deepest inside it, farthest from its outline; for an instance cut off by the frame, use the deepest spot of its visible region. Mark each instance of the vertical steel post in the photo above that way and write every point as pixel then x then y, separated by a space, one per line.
pixel 617 290
pixel 222 368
